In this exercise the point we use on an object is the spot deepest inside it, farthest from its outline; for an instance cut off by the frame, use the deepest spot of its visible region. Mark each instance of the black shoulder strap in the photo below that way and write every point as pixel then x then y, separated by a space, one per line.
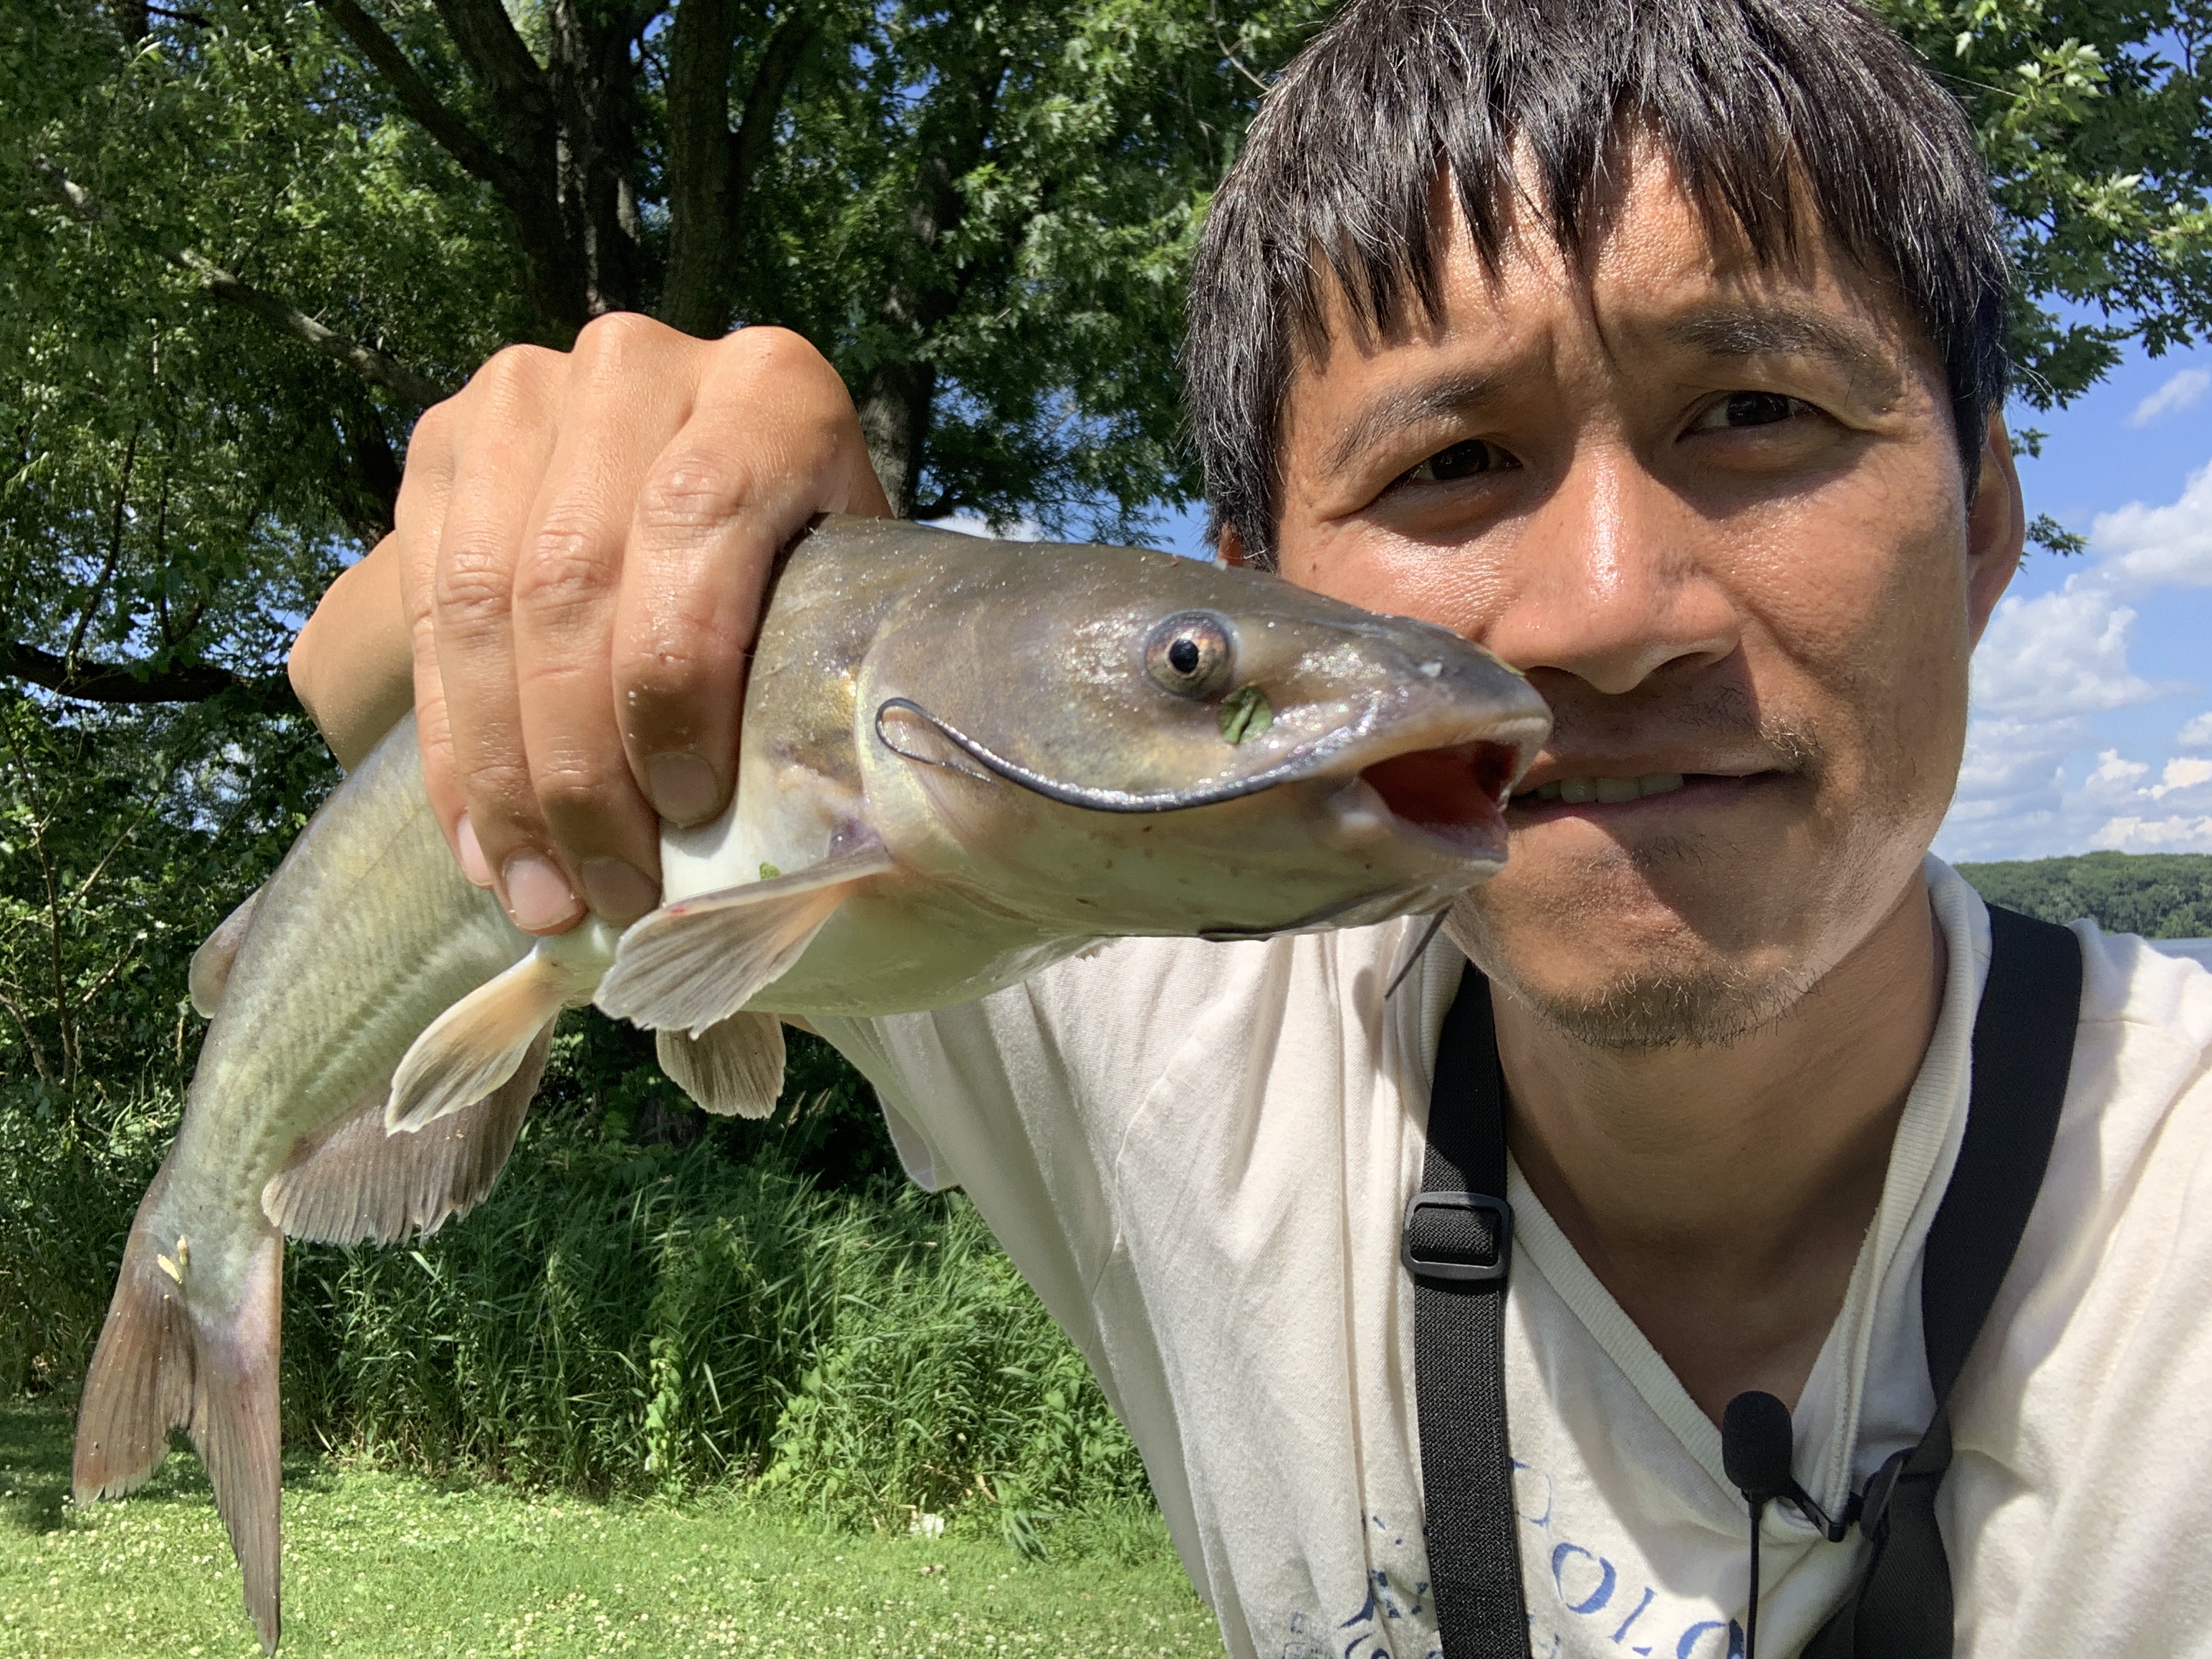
pixel 2023 1053
pixel 1458 1246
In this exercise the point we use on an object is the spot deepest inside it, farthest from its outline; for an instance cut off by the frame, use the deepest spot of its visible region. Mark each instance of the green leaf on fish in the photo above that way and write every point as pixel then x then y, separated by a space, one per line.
pixel 769 872
pixel 1246 713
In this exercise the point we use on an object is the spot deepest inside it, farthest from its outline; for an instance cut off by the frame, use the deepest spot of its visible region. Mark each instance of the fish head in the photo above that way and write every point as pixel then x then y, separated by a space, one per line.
pixel 1149 744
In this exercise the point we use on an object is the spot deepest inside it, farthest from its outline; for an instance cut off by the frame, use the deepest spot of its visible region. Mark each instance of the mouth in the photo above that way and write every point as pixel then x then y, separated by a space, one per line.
pixel 1456 795
pixel 1605 798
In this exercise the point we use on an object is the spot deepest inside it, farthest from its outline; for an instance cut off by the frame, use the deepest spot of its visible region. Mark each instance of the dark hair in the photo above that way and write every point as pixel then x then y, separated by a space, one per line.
pixel 1762 104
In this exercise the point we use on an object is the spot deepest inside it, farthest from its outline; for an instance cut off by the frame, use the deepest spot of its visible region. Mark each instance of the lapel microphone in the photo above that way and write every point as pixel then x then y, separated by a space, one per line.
pixel 1758 1445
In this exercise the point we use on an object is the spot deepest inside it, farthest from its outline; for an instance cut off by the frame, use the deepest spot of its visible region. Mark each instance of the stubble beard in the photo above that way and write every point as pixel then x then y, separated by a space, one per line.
pixel 1692 992
pixel 1711 1003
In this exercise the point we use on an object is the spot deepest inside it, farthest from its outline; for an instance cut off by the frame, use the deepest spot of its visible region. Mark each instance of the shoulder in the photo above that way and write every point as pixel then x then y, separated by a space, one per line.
pixel 2145 1034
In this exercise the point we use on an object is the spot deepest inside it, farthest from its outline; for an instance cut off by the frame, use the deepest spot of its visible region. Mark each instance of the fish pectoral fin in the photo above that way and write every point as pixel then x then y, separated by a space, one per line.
pixel 477 1044
pixel 733 1068
pixel 211 962
pixel 692 965
pixel 181 1355
pixel 356 1182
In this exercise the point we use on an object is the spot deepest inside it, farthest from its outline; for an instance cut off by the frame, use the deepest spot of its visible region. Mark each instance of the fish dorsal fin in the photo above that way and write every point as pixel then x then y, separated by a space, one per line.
pixel 211 962
pixel 693 963
pixel 476 1045
pixel 357 1182
pixel 733 1069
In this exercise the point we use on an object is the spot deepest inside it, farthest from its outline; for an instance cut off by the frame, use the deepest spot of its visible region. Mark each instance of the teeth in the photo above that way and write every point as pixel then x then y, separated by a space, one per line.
pixel 1578 791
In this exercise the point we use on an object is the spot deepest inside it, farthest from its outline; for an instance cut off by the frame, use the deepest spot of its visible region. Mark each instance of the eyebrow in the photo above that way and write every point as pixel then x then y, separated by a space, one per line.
pixel 1405 408
pixel 1765 331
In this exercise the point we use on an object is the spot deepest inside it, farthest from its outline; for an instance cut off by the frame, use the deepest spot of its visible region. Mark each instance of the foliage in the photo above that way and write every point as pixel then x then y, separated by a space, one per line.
pixel 2157 895
pixel 382 1565
pixel 2096 116
pixel 626 1315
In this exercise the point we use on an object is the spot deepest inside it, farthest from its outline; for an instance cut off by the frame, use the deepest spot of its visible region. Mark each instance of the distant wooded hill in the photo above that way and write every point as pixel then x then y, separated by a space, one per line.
pixel 2158 895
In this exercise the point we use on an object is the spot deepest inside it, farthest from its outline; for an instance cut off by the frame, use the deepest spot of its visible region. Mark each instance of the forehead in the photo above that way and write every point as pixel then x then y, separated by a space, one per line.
pixel 1657 274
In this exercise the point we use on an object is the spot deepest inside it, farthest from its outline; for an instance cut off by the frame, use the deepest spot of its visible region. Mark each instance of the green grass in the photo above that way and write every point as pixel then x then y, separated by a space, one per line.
pixel 378 1563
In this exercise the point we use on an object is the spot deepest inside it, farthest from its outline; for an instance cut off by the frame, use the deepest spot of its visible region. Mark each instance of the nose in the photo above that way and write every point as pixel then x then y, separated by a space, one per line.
pixel 1610 581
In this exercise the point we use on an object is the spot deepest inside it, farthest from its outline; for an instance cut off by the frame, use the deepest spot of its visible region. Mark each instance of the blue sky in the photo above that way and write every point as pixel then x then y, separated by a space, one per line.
pixel 2093 690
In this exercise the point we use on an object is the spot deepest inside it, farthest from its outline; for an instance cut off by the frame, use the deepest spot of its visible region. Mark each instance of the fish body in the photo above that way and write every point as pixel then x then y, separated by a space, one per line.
pixel 960 761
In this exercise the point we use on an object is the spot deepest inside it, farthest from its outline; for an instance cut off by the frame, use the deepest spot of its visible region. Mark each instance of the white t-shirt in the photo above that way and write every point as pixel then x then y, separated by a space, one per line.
pixel 1200 1156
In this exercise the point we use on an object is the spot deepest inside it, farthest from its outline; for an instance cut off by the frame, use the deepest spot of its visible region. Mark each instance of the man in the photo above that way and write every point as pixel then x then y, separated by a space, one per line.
pixel 1659 351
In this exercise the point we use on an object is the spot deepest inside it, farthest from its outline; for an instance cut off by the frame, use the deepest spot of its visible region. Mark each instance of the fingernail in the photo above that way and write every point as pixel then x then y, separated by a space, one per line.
pixel 474 865
pixel 683 786
pixel 617 890
pixel 538 895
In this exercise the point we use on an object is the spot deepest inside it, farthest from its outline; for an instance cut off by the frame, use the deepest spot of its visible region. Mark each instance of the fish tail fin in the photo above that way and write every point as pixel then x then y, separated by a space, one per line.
pixel 691 964
pixel 734 1067
pixel 140 1383
pixel 478 1044
pixel 164 1362
pixel 235 1428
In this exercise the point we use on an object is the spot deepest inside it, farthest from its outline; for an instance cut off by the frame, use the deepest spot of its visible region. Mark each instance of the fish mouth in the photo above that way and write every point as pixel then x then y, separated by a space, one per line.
pixel 1456 795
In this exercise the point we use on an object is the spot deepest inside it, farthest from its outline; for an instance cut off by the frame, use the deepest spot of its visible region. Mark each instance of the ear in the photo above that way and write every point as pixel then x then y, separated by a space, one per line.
pixel 1996 529
pixel 1230 549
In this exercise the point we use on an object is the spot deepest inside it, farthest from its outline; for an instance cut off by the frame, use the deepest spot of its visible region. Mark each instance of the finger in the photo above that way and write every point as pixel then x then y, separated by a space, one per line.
pixel 772 441
pixel 628 393
pixel 499 463
pixel 419 517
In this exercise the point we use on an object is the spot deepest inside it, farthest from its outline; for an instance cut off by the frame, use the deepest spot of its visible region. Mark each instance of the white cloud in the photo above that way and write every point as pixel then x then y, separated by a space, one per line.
pixel 2139 547
pixel 2047 666
pixel 2180 391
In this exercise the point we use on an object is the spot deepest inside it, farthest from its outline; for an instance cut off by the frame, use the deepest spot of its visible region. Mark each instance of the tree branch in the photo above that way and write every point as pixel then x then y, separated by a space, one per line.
pixel 454 135
pixel 779 60
pixel 521 101
pixel 126 683
pixel 527 185
pixel 375 367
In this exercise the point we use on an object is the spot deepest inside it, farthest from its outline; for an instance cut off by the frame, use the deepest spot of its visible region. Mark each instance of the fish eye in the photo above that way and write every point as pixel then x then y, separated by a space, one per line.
pixel 1189 654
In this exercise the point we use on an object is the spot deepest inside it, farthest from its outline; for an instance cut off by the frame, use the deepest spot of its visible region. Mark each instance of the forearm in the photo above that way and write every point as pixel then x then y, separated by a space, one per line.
pixel 352 666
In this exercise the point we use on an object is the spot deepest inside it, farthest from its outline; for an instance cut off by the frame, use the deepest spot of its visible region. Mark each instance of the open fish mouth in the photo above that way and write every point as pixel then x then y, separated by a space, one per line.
pixel 1456 795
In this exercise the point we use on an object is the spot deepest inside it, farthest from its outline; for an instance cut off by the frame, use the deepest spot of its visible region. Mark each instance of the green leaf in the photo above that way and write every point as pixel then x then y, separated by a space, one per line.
pixel 1246 712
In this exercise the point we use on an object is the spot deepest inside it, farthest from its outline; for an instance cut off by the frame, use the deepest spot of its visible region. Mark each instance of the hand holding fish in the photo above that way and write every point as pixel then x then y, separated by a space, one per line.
pixel 577 573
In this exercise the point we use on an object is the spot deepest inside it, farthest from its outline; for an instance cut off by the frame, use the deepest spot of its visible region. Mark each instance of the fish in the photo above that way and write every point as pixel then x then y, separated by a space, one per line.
pixel 960 761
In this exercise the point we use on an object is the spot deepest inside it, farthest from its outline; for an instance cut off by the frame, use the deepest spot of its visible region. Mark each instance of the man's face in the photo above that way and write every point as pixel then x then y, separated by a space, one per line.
pixel 1716 513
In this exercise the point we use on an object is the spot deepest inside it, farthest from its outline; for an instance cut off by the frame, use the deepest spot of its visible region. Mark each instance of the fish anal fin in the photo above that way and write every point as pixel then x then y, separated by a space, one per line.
pixel 211 962
pixel 356 1182
pixel 139 1386
pixel 476 1044
pixel 692 965
pixel 732 1068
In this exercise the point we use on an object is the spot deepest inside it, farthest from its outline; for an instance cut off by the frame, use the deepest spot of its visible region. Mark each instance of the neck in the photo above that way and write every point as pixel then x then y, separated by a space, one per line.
pixel 1722 1193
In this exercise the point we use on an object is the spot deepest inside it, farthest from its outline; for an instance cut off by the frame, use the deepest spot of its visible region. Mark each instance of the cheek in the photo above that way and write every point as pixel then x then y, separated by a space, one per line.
pixel 1355 563
pixel 1876 632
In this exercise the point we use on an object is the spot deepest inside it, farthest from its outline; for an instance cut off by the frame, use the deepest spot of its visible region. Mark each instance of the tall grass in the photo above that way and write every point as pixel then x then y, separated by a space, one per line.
pixel 645 1301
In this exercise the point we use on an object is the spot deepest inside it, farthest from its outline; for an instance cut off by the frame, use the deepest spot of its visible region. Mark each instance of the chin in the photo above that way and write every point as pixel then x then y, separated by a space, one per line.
pixel 1613 964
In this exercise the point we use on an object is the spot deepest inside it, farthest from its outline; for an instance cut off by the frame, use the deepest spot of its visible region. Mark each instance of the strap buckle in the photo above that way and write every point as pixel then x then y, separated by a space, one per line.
pixel 1458 1237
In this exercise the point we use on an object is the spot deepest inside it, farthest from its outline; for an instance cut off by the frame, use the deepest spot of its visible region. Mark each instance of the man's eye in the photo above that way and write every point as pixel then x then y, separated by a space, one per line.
pixel 1742 409
pixel 1463 460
